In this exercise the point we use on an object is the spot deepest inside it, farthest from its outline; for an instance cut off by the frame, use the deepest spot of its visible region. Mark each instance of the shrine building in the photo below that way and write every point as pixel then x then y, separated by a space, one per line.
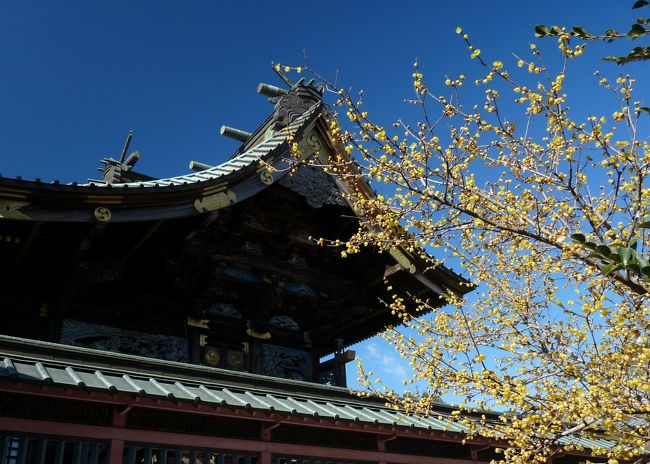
pixel 195 320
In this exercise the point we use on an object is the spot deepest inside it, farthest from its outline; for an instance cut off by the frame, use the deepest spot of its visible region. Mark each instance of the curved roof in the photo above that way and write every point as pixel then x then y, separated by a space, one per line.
pixel 248 172
pixel 259 152
pixel 263 160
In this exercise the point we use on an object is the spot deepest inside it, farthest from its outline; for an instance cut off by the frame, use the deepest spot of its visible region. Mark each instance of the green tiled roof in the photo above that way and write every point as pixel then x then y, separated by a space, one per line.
pixel 73 367
pixel 93 370
pixel 87 369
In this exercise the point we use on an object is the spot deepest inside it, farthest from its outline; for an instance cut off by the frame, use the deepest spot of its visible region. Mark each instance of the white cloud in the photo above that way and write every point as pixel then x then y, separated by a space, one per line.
pixel 380 358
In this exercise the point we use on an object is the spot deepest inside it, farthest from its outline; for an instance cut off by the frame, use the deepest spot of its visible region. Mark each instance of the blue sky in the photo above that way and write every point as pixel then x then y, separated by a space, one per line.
pixel 75 76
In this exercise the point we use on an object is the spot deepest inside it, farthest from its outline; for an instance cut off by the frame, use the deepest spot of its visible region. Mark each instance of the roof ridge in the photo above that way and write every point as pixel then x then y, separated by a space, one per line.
pixel 228 166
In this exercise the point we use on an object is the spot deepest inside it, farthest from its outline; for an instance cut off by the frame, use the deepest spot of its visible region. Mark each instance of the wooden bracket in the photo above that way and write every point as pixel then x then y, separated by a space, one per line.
pixel 347 356
pixel 386 438
pixel 200 323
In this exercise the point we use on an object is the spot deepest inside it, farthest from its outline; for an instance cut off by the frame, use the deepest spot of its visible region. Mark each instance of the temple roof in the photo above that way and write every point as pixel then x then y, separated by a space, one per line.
pixel 260 162
pixel 139 222
pixel 265 158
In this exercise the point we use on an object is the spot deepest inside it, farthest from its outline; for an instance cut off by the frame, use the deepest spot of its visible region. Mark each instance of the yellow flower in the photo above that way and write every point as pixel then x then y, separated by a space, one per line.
pixel 458 30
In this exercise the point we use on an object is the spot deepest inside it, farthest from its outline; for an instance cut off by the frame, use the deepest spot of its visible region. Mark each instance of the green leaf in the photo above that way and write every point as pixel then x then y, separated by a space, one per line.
pixel 636 31
pixel 645 271
pixel 634 268
pixel 590 245
pixel 639 4
pixel 606 270
pixel 541 30
pixel 603 250
pixel 645 224
pixel 637 54
pixel 555 30
pixel 580 32
pixel 645 108
pixel 632 243
pixel 580 238
pixel 625 254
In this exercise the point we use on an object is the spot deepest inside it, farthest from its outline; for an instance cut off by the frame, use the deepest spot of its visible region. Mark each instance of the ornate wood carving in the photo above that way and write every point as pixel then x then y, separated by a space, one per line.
pixel 283 321
pixel 215 201
pixel 315 185
pixel 402 259
pixel 107 338
pixel 294 104
pixel 278 361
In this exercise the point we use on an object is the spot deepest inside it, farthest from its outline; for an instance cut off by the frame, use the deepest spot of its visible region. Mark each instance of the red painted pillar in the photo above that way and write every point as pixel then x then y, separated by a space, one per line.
pixel 381 446
pixel 117 446
pixel 117 449
pixel 265 454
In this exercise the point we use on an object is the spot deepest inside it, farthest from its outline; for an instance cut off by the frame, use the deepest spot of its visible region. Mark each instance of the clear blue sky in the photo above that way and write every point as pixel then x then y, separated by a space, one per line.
pixel 75 76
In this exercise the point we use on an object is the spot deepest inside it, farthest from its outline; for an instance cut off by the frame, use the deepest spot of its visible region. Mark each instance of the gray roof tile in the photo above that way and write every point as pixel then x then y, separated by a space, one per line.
pixel 261 393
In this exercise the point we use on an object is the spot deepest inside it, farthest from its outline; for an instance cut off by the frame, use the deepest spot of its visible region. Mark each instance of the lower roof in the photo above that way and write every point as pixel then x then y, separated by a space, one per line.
pixel 87 370
pixel 93 370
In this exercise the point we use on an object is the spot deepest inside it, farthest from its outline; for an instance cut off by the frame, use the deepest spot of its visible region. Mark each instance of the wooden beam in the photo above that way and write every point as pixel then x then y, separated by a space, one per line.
pixel 343 358
pixel 301 275
pixel 379 279
pixel 209 219
pixel 27 242
pixel 92 235
pixel 390 270
pixel 270 90
pixel 237 134
pixel 146 236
